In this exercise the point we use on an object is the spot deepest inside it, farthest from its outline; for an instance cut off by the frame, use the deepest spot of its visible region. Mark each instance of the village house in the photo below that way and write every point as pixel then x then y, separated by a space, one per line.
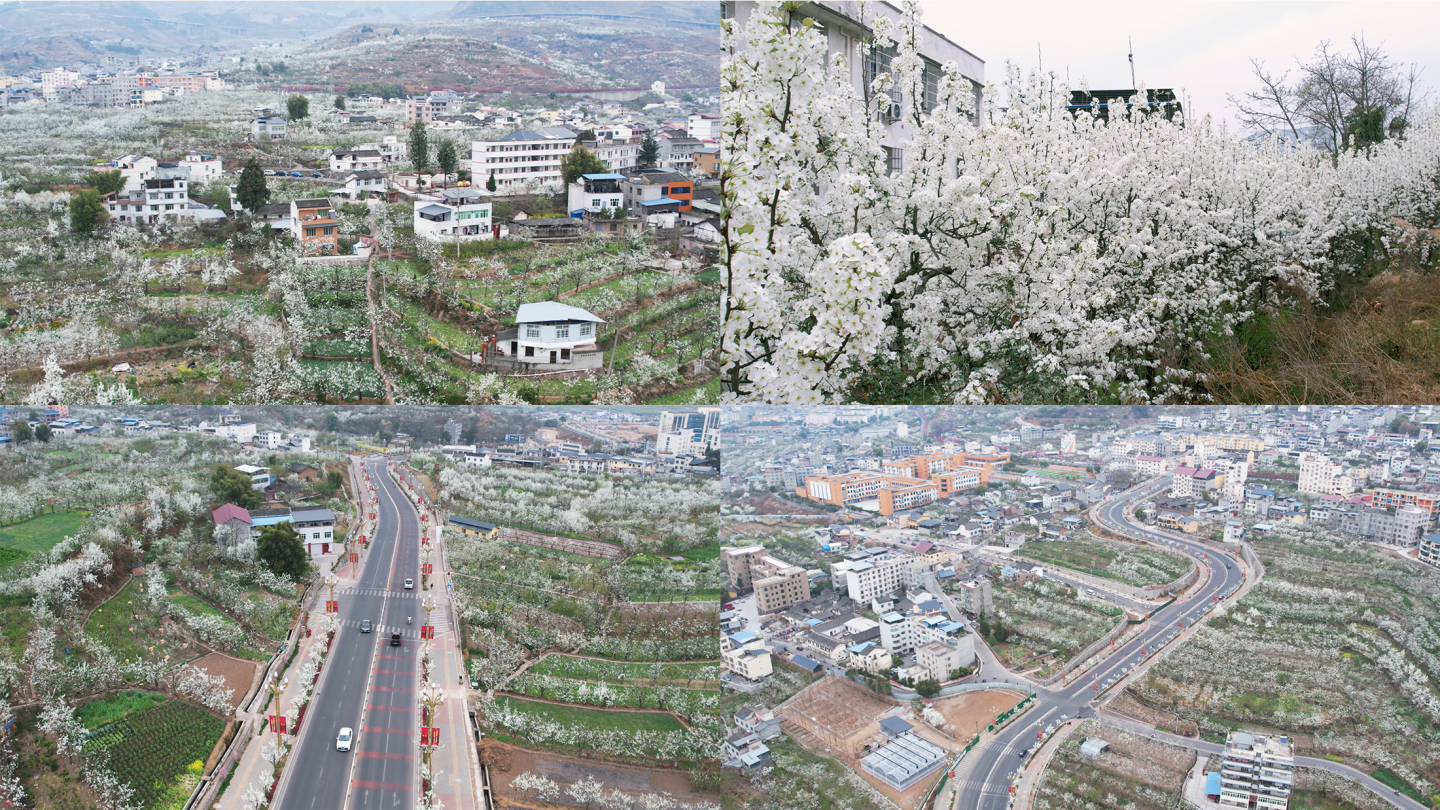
pixel 462 213
pixel 356 160
pixel 549 336
pixel 314 224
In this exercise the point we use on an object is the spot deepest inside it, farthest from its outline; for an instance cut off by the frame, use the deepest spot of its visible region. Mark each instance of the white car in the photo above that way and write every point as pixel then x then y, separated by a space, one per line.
pixel 342 743
pixel 409 584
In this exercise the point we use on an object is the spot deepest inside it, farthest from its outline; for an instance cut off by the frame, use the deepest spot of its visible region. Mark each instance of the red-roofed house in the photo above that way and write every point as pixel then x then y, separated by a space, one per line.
pixel 236 518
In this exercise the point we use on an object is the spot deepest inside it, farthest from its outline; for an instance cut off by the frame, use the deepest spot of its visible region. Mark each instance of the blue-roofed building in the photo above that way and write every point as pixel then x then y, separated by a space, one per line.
pixel 596 193
pixel 741 638
pixel 806 663
pixel 1212 786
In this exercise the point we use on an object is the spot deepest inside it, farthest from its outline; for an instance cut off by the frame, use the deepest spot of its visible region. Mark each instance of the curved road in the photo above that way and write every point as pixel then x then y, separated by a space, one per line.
pixel 379 770
pixel 988 786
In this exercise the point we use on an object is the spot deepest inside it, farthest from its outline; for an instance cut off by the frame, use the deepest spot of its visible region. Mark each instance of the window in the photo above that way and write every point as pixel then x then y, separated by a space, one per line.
pixel 930 78
pixel 562 332
pixel 564 354
pixel 532 332
pixel 894 160
pixel 529 351
pixel 585 330
pixel 330 231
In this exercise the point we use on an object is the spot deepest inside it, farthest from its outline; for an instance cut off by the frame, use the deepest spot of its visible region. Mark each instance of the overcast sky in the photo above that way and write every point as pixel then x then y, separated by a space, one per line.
pixel 1203 47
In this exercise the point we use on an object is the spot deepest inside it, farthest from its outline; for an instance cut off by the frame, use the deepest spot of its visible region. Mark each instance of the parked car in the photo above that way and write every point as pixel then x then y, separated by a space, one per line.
pixel 409 584
pixel 297 174
pixel 316 174
pixel 365 626
pixel 394 639
pixel 269 172
pixel 342 743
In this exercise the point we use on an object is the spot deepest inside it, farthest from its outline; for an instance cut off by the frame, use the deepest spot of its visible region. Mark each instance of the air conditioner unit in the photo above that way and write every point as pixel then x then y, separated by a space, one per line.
pixel 891 111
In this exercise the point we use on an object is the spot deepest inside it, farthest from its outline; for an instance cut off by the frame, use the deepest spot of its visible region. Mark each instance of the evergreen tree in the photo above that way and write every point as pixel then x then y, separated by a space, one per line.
pixel 447 158
pixel 42 432
pixel 252 191
pixel 419 148
pixel 86 211
pixel 649 151
pixel 21 432
pixel 490 184
pixel 339 102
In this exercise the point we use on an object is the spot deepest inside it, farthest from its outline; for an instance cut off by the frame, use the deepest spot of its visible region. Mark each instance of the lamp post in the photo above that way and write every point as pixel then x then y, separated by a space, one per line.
pixel 276 687
pixel 431 697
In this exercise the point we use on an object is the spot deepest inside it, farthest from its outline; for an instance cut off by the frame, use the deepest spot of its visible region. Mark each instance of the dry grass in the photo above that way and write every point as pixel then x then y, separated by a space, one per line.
pixel 1381 346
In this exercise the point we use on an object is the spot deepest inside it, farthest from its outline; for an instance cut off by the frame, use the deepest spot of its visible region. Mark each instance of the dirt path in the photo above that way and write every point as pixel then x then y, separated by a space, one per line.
pixel 375 331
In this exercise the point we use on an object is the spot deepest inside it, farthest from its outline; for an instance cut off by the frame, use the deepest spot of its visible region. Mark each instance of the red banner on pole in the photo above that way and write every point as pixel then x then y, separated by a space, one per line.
pixel 354 557
pixel 424 736
pixel 282 724
pixel 434 735
pixel 274 726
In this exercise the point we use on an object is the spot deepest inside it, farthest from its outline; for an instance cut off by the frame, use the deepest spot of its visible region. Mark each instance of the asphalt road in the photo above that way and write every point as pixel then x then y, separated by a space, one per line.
pixel 988 785
pixel 318 777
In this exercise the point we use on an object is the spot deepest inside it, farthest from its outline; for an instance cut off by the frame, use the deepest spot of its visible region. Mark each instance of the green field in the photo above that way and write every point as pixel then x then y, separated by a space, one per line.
pixel 37 535
pixel 116 706
pixel 152 748
pixel 594 718
pixel 182 599
pixel 126 625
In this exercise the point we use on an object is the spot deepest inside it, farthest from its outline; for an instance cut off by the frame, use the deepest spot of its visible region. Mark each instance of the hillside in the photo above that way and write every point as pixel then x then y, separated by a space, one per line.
pixel 524 47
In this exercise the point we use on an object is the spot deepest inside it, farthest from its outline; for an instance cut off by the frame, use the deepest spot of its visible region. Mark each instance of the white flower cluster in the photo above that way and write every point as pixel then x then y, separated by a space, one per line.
pixel 539 728
pixel 1034 254
pixel 208 690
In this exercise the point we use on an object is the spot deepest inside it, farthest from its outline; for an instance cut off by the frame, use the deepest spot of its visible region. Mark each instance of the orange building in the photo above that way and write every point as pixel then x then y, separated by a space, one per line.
pixel 893 492
pixel 1395 498
pixel 314 223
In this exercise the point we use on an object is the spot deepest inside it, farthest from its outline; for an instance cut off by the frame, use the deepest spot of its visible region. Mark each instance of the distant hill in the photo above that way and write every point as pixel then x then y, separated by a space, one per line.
pixel 603 43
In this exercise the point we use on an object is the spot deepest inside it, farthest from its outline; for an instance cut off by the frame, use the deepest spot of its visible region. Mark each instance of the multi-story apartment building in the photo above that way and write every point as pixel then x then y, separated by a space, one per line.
pixel 1386 497
pixel 1319 475
pixel 975 597
pixel 616 154
pixel 867 579
pixel 898 494
pixel 154 200
pixel 1400 527
pixel 52 80
pixel 597 193
pixel 1430 549
pixel 702 426
pixel 777 584
pixel 525 155
pixel 739 564
pixel 1257 771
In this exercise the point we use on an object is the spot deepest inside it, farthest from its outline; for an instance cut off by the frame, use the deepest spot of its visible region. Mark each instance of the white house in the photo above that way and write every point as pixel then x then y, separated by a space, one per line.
pixel 152 201
pixel 596 193
pixel 391 149
pixel 522 156
pixel 551 337
pixel 355 184
pixel 268 129
pixel 708 231
pixel 356 160
pixel 203 168
pixel 464 213
pixel 704 127
pixel 259 476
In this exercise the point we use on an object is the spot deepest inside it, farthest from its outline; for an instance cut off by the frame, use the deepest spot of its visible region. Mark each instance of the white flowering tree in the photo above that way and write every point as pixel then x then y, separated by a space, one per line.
pixel 1032 253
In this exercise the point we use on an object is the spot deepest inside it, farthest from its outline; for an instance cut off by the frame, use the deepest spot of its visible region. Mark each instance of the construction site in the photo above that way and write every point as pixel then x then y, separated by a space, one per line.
pixel 839 718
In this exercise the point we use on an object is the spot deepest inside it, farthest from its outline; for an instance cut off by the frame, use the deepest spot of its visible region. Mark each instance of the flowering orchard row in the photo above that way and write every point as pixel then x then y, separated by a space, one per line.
pixel 1034 255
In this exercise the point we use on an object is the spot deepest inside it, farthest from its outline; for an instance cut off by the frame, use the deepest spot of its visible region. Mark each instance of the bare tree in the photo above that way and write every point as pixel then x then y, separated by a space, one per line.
pixel 1339 101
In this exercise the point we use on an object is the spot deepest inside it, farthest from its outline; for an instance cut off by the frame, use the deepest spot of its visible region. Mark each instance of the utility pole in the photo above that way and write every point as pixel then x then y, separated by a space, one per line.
pixel 1132 63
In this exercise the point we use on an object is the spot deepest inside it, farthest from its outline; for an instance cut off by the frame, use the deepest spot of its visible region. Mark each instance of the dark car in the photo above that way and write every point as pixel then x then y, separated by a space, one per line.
pixel 316 174
pixel 394 639
pixel 365 626
pixel 297 174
